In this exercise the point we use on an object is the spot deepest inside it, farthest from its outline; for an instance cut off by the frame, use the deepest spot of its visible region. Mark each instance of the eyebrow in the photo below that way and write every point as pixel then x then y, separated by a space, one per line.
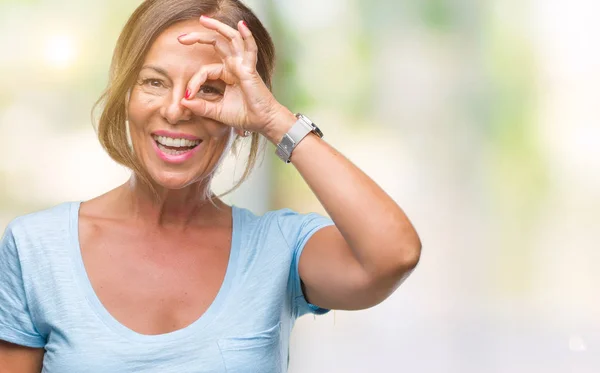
pixel 157 69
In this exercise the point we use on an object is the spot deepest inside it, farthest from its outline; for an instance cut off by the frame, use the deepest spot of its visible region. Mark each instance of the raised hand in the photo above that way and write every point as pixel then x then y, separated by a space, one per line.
pixel 247 103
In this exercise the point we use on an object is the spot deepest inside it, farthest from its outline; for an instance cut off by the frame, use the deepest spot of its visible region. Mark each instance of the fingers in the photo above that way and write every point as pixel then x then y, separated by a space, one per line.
pixel 226 40
pixel 215 71
pixel 201 107
pixel 204 108
pixel 221 44
pixel 251 49
pixel 228 32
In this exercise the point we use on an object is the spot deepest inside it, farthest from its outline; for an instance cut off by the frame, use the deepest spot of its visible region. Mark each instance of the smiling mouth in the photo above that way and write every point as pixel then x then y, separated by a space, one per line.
pixel 173 146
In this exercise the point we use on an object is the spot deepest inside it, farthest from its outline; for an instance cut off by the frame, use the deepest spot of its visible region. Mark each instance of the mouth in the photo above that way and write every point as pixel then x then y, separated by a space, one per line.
pixel 175 146
pixel 175 149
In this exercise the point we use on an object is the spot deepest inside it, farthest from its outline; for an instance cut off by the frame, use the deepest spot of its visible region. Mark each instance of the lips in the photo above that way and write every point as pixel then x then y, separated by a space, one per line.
pixel 175 148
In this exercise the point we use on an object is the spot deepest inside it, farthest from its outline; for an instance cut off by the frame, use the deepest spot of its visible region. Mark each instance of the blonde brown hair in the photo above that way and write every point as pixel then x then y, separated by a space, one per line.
pixel 148 21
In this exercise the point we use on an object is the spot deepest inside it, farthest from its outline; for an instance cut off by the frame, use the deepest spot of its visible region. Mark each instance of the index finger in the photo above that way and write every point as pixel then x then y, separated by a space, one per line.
pixel 220 43
pixel 215 71
pixel 227 31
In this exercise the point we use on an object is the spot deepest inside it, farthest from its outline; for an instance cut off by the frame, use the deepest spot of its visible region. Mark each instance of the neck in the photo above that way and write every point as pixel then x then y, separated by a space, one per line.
pixel 170 208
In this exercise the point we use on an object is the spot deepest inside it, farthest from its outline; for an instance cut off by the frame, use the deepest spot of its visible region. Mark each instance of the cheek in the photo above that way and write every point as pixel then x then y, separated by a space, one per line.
pixel 140 109
pixel 216 129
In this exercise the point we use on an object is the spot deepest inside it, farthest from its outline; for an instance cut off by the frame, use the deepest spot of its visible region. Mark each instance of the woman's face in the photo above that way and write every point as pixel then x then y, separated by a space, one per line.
pixel 176 147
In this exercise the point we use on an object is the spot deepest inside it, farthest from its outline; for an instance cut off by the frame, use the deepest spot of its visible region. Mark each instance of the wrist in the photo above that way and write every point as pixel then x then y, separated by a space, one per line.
pixel 282 121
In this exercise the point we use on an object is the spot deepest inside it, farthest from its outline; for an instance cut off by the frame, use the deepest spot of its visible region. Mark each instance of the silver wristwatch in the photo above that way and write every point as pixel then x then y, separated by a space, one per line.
pixel 299 130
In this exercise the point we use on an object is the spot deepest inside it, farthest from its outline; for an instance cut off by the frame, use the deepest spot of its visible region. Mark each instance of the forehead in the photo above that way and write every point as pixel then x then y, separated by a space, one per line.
pixel 168 53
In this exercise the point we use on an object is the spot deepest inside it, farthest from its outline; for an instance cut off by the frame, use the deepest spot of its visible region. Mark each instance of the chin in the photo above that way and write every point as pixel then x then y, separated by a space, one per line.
pixel 174 180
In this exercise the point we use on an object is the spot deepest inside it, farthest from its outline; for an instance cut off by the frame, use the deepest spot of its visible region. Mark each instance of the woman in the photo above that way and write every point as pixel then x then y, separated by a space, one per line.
pixel 159 275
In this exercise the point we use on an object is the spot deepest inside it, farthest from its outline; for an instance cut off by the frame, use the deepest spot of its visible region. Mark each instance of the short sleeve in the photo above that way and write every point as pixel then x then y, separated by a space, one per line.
pixel 16 325
pixel 297 230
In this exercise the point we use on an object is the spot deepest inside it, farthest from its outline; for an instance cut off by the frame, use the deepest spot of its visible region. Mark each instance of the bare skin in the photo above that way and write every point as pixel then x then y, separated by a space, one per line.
pixel 153 278
pixel 19 359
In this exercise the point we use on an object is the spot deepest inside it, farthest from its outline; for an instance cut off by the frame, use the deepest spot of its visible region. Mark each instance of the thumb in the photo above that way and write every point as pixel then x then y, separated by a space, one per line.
pixel 203 108
pixel 198 106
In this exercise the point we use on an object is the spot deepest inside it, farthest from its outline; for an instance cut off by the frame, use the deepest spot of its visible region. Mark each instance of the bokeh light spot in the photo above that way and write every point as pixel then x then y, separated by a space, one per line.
pixel 60 51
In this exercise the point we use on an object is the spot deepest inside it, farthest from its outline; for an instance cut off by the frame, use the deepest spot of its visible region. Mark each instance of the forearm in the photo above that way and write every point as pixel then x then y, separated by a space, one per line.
pixel 376 229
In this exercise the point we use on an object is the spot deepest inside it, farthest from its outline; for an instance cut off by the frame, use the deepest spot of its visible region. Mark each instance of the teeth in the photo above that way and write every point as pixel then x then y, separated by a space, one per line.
pixel 177 143
pixel 171 151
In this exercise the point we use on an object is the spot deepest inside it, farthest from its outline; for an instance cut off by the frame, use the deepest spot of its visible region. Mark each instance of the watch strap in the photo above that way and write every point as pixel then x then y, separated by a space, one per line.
pixel 297 133
pixel 291 139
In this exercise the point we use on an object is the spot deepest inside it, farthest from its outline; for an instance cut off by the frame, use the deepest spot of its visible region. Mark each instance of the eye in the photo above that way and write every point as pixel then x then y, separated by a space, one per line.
pixel 154 83
pixel 206 89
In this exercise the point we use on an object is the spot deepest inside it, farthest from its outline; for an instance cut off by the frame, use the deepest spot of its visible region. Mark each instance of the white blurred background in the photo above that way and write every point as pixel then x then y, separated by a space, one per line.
pixel 481 119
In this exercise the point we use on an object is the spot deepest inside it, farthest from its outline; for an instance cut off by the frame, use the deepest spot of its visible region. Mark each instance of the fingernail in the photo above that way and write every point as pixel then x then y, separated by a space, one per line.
pixel 203 16
pixel 245 24
pixel 187 94
pixel 180 36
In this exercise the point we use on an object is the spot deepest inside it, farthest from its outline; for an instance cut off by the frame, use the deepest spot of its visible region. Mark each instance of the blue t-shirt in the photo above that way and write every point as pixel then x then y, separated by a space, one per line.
pixel 46 300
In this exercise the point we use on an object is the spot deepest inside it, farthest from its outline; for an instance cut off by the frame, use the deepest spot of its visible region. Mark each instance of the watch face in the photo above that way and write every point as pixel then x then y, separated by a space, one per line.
pixel 316 130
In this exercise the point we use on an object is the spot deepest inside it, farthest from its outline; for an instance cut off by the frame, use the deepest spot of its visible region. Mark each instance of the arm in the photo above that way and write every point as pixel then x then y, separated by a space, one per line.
pixel 373 246
pixel 19 359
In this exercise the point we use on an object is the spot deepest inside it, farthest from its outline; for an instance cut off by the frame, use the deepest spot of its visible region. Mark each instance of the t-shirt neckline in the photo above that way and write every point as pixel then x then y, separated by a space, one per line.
pixel 204 320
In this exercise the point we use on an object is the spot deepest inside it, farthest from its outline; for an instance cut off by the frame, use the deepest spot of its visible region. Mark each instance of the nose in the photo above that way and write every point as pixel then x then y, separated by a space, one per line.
pixel 173 111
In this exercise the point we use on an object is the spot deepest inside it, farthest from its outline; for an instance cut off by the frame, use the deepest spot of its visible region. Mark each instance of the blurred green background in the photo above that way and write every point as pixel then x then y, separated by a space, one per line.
pixel 479 118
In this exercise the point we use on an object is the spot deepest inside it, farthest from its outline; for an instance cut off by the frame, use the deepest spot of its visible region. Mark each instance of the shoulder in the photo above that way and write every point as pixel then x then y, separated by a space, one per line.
pixel 34 227
pixel 277 217
pixel 285 222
